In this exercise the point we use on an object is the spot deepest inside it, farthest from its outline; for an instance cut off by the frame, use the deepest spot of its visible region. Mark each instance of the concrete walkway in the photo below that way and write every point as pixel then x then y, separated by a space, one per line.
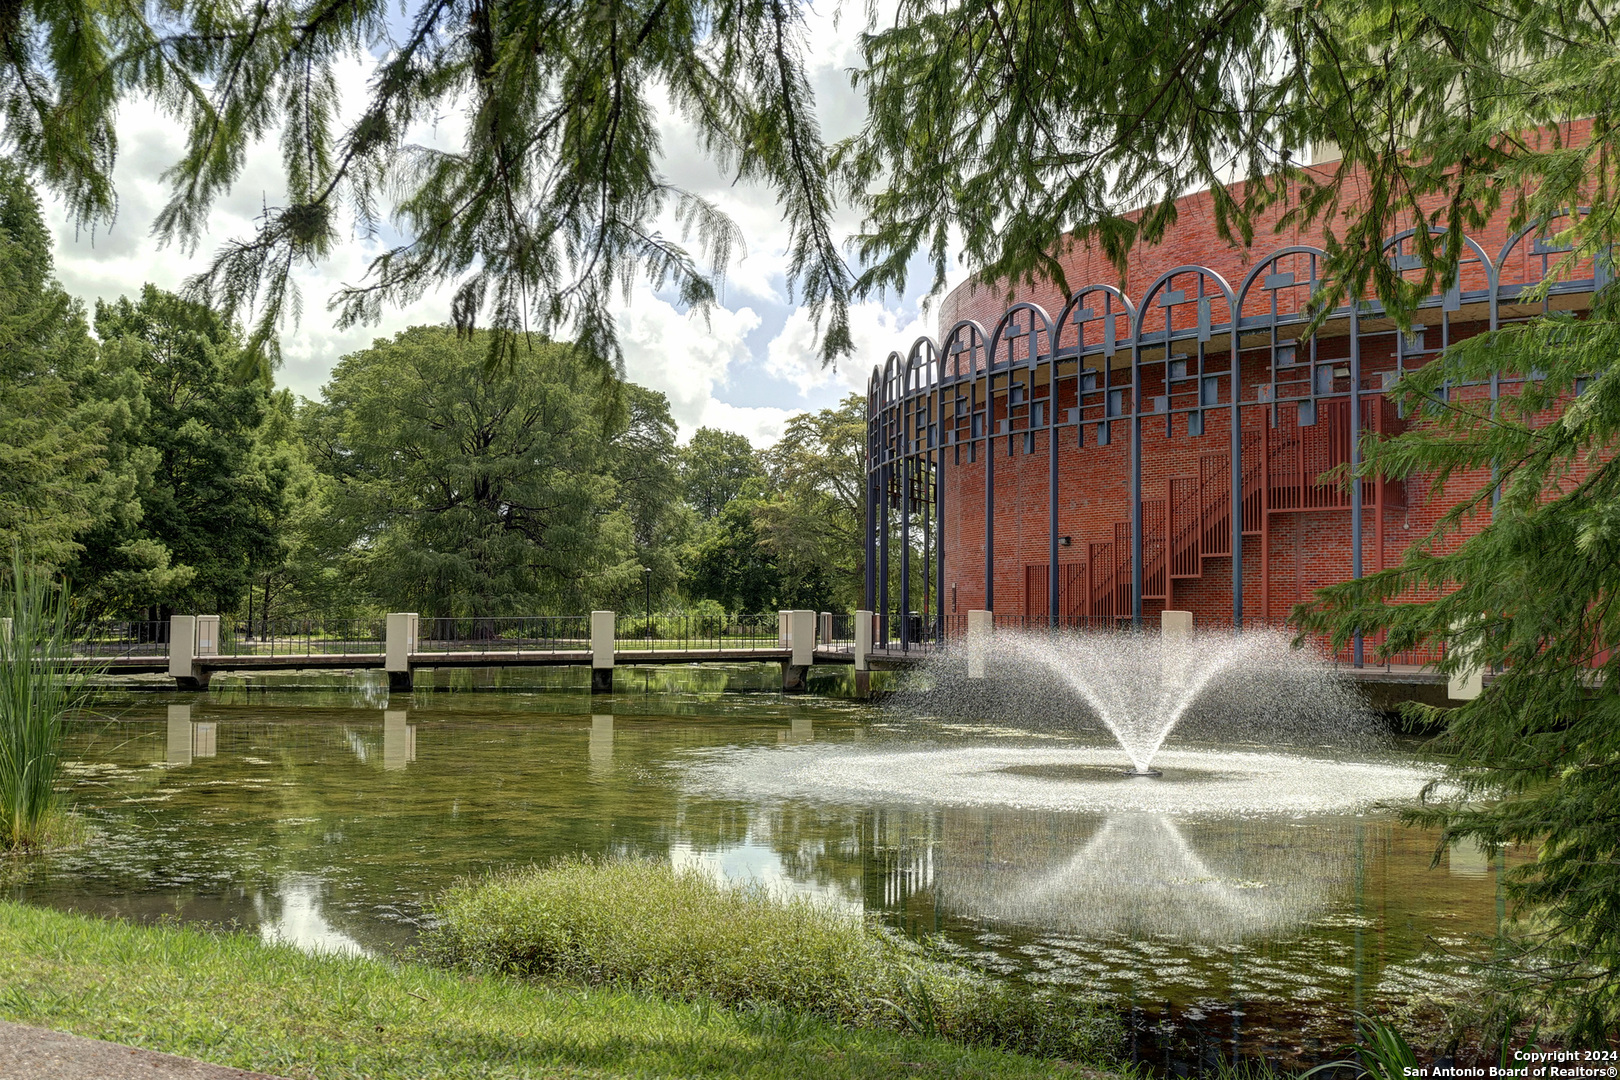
pixel 31 1053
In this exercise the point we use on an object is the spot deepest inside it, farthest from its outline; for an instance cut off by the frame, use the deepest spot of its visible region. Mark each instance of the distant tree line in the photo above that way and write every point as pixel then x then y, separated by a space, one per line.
pixel 146 463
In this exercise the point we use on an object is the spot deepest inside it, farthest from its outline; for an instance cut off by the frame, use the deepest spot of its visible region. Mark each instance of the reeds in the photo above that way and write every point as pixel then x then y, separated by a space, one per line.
pixel 39 685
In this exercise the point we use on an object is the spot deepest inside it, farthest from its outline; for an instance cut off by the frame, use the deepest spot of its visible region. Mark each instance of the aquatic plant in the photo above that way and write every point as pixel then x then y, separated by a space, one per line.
pixel 648 926
pixel 1382 1054
pixel 39 685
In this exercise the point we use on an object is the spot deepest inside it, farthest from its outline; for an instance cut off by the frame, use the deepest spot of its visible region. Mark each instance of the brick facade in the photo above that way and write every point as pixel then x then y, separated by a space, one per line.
pixel 996 401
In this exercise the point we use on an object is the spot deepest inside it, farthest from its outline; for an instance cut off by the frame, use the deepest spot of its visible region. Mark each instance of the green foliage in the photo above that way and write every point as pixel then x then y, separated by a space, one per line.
pixel 716 467
pixel 210 497
pixel 549 205
pixel 55 477
pixel 37 689
pixel 273 1008
pixel 728 564
pixel 781 528
pixel 815 518
pixel 1004 132
pixel 652 928
pixel 1536 758
pixel 1383 1054
pixel 642 462
pixel 488 493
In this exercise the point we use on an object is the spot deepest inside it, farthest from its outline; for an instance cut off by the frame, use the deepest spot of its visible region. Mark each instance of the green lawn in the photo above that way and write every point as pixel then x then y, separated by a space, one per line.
pixel 230 999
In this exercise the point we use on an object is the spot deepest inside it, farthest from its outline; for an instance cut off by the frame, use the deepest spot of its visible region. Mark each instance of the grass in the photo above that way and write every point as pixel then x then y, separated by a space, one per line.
pixel 38 686
pixel 646 926
pixel 231 999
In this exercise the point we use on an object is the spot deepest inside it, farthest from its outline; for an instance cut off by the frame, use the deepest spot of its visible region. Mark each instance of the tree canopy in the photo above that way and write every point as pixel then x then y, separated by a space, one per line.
pixel 549 201
pixel 997 131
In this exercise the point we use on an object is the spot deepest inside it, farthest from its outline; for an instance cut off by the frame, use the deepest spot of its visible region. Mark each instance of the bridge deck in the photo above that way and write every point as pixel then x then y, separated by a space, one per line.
pixel 1384 685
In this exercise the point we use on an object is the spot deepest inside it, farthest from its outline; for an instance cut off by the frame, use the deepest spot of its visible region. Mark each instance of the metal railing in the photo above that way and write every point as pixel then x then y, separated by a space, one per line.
pixel 302 637
pixel 116 638
pixel 842 636
pixel 514 634
pixel 698 633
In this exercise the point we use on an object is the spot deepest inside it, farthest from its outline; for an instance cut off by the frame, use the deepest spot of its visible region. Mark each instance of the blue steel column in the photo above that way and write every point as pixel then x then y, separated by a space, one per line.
pixel 1355 459
pixel 1136 483
pixel 939 531
pixel 1237 478
pixel 884 476
pixel 905 532
pixel 871 508
pixel 1052 476
pixel 989 487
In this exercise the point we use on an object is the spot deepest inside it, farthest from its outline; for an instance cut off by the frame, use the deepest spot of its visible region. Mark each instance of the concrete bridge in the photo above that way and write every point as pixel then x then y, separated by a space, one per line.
pixel 192 648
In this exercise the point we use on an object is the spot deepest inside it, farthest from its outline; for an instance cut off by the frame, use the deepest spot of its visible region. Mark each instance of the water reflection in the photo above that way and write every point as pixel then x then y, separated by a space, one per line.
pixel 1145 875
pixel 1467 858
pixel 601 750
pixel 178 750
pixel 399 740
pixel 295 913
pixel 302 828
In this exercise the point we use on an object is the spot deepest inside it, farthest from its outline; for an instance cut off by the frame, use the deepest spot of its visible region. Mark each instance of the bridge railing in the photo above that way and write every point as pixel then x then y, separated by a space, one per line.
pixel 842 633
pixel 698 633
pixel 114 638
pixel 302 637
pixel 515 634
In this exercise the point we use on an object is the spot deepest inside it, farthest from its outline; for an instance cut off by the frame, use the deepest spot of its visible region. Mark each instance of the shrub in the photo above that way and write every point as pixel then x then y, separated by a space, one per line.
pixel 647 926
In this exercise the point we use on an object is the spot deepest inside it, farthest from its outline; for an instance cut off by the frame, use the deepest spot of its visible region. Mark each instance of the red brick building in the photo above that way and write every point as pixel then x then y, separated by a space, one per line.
pixel 1102 457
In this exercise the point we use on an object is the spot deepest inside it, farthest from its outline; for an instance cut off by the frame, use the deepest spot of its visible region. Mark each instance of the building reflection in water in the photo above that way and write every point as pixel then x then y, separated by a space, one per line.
pixel 399 740
pixel 601 750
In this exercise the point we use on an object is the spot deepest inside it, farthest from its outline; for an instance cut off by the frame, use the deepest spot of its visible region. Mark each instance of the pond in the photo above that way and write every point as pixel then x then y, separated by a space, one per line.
pixel 325 812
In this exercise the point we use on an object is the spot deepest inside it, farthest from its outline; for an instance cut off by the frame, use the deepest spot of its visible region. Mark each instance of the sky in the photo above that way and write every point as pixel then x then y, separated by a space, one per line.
pixel 752 364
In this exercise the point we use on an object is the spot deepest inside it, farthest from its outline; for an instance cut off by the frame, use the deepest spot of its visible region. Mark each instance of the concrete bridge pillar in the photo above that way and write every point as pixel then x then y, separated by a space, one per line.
pixel 1175 630
pixel 979 627
pixel 207 635
pixel 863 653
pixel 800 632
pixel 183 653
pixel 824 629
pixel 1468 682
pixel 602 644
pixel 399 642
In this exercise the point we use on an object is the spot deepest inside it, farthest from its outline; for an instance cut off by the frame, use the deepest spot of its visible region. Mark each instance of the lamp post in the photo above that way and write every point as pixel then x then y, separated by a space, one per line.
pixel 646 579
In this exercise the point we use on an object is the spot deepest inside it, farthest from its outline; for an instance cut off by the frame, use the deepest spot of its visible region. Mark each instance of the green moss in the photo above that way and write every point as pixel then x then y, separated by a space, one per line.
pixel 644 925
pixel 232 999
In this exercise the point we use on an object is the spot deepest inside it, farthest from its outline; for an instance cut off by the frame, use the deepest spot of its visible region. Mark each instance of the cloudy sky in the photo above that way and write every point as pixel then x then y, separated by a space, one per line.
pixel 753 364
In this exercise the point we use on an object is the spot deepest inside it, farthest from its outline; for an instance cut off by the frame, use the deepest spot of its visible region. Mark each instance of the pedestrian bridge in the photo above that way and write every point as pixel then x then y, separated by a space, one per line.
pixel 192 648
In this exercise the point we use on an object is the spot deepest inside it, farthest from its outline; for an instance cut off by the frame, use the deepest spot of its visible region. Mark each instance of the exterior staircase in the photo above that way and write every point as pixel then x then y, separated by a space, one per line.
pixel 1283 473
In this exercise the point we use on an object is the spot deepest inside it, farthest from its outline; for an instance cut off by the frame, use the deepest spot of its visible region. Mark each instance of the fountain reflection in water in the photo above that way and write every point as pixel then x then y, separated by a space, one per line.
pixel 1145 875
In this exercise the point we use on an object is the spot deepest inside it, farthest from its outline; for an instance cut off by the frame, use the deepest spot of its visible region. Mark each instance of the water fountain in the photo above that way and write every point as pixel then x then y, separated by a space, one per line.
pixel 1265 760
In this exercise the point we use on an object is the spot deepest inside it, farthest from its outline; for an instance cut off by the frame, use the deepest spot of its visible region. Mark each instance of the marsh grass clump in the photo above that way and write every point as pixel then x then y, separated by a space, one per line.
pixel 39 686
pixel 650 927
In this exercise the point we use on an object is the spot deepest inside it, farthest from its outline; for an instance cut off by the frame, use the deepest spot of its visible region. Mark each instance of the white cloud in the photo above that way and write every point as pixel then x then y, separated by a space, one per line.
pixel 794 355
pixel 693 363
pixel 685 357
